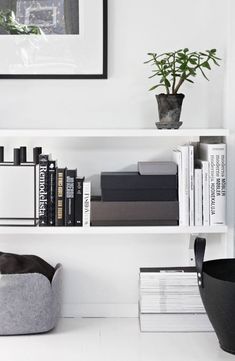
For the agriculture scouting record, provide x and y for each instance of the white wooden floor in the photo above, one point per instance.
(110, 340)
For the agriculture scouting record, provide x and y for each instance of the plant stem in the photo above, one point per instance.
(174, 77)
(162, 72)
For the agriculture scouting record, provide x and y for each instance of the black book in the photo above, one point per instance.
(60, 197)
(43, 190)
(167, 269)
(78, 201)
(70, 176)
(122, 195)
(51, 192)
(133, 180)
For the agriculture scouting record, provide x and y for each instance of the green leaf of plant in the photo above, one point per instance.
(204, 74)
(206, 65)
(167, 83)
(152, 76)
(215, 62)
(155, 87)
(190, 81)
(193, 61)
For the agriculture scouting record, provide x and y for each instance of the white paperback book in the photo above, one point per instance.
(198, 197)
(204, 165)
(184, 149)
(86, 214)
(215, 154)
(191, 185)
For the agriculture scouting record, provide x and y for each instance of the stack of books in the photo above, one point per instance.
(202, 181)
(145, 198)
(170, 301)
(64, 198)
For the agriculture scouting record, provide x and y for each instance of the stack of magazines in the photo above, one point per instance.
(170, 301)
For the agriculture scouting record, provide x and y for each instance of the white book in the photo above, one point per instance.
(215, 154)
(86, 212)
(191, 185)
(198, 197)
(185, 183)
(177, 157)
(204, 165)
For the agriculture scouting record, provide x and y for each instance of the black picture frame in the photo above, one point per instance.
(103, 75)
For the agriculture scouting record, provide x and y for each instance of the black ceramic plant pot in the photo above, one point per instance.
(216, 280)
(169, 108)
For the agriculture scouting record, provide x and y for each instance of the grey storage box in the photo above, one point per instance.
(29, 303)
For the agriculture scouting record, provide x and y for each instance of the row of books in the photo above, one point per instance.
(170, 301)
(202, 183)
(64, 198)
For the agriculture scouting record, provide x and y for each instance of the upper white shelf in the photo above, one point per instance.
(111, 230)
(110, 133)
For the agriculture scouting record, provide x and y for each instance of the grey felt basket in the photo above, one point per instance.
(29, 303)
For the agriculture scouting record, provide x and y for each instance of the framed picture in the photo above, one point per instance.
(53, 39)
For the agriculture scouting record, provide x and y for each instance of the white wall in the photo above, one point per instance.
(101, 273)
(135, 28)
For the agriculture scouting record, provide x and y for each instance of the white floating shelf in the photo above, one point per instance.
(111, 230)
(110, 133)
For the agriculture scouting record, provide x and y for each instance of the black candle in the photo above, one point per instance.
(23, 154)
(16, 156)
(1, 154)
(36, 152)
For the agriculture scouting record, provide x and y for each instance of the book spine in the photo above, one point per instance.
(60, 196)
(185, 184)
(216, 155)
(70, 176)
(86, 216)
(198, 197)
(178, 160)
(205, 194)
(51, 192)
(220, 187)
(43, 190)
(191, 185)
(78, 201)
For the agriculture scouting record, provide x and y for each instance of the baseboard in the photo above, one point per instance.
(99, 310)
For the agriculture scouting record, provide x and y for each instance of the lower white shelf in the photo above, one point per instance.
(112, 230)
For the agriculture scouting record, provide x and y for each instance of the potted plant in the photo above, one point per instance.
(173, 69)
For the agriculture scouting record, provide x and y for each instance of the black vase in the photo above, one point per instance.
(169, 108)
(216, 280)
